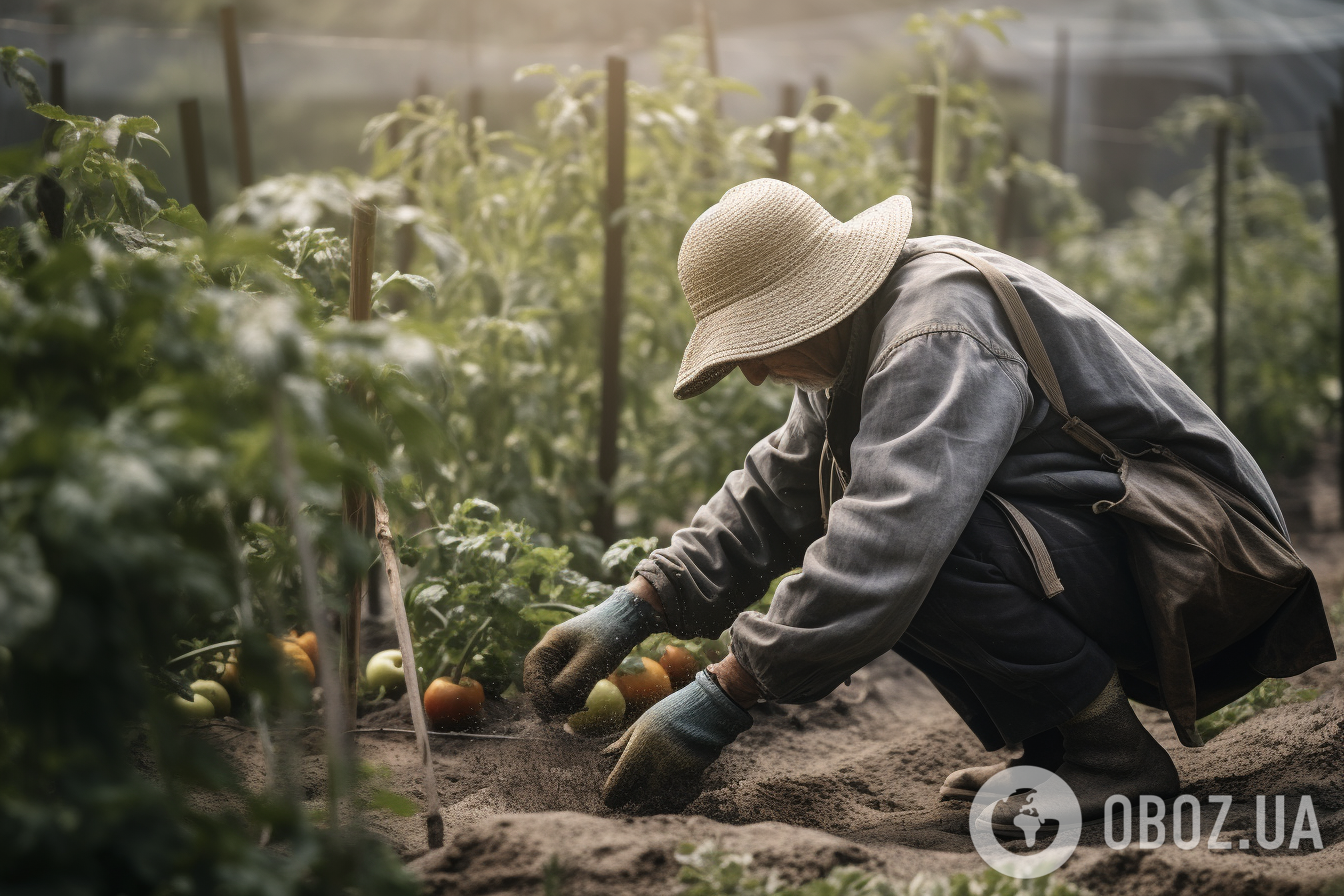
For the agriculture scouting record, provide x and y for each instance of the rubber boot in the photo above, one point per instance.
(1044, 750)
(1107, 752)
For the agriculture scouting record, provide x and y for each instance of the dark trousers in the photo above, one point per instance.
(1011, 662)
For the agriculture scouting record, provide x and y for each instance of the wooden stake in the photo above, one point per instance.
(1060, 111)
(1220, 139)
(705, 20)
(56, 84)
(233, 69)
(193, 153)
(392, 567)
(927, 126)
(1008, 205)
(355, 501)
(475, 110)
(1332, 147)
(613, 299)
(823, 111)
(782, 139)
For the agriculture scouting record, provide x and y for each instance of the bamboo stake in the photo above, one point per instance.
(1060, 110)
(1220, 139)
(392, 566)
(333, 714)
(783, 139)
(233, 69)
(56, 84)
(613, 299)
(927, 116)
(705, 20)
(355, 501)
(1332, 133)
(193, 152)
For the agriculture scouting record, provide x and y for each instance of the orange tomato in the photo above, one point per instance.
(679, 665)
(229, 677)
(642, 683)
(308, 641)
(451, 705)
(297, 657)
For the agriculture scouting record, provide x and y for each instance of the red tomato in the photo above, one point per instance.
(451, 705)
(679, 665)
(642, 683)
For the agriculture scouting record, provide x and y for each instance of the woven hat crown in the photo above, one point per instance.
(758, 234)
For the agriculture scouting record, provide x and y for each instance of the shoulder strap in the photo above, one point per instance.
(1033, 352)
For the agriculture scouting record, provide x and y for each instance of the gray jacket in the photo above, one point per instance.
(948, 411)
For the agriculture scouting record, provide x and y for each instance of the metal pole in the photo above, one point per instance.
(233, 70)
(193, 153)
(927, 125)
(1060, 111)
(1220, 139)
(613, 298)
(355, 501)
(782, 139)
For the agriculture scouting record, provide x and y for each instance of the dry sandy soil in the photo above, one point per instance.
(851, 780)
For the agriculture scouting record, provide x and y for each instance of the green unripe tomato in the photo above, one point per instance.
(602, 713)
(215, 693)
(384, 670)
(199, 707)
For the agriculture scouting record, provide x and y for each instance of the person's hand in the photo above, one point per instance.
(572, 657)
(663, 754)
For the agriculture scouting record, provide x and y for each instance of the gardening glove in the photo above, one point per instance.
(664, 753)
(578, 653)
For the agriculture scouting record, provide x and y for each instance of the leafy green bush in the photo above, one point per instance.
(709, 871)
(152, 378)
(1153, 275)
(1269, 693)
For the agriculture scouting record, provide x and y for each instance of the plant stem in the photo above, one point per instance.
(471, 645)
(568, 608)
(206, 649)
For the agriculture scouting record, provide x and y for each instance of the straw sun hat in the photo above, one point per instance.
(767, 267)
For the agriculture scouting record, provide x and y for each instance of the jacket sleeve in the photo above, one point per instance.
(939, 413)
(755, 527)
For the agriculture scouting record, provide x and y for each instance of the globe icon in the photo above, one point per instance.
(1027, 819)
(1021, 802)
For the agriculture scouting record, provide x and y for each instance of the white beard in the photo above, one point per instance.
(811, 386)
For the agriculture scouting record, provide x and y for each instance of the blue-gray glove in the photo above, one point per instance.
(664, 753)
(578, 653)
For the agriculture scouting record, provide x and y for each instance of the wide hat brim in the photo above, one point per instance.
(842, 270)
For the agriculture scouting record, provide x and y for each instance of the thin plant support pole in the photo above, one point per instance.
(1008, 205)
(1332, 136)
(1060, 106)
(193, 153)
(233, 70)
(613, 298)
(475, 110)
(1220, 140)
(823, 111)
(56, 83)
(392, 567)
(705, 20)
(927, 125)
(333, 709)
(783, 138)
(355, 501)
